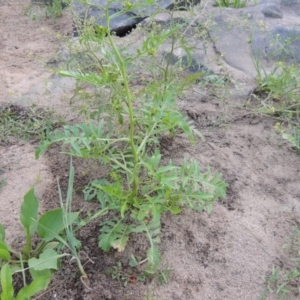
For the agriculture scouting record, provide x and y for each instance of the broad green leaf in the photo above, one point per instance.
(37, 285)
(29, 211)
(4, 246)
(6, 283)
(51, 245)
(2, 233)
(4, 254)
(43, 273)
(51, 223)
(47, 260)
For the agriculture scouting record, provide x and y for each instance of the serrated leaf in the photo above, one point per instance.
(153, 256)
(175, 210)
(120, 244)
(43, 146)
(29, 211)
(6, 283)
(114, 234)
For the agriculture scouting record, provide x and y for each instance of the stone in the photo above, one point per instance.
(122, 24)
(289, 2)
(193, 64)
(272, 11)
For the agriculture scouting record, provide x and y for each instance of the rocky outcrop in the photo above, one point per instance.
(220, 40)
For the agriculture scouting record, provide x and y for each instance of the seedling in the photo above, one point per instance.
(42, 260)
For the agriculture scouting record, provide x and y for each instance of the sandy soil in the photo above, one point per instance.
(225, 255)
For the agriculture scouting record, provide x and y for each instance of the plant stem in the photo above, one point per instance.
(39, 249)
(129, 104)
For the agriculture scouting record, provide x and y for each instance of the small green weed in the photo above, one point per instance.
(126, 277)
(132, 274)
(279, 93)
(40, 261)
(284, 282)
(18, 122)
(55, 8)
(231, 3)
(55, 231)
(42, 8)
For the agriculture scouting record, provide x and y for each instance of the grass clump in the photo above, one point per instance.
(279, 93)
(231, 3)
(17, 122)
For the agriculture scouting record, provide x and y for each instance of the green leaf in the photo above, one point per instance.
(153, 256)
(133, 261)
(43, 273)
(51, 223)
(42, 148)
(29, 211)
(4, 254)
(47, 260)
(4, 246)
(6, 283)
(51, 245)
(2, 233)
(114, 234)
(174, 209)
(120, 244)
(37, 285)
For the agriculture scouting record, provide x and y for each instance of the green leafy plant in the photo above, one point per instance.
(231, 3)
(279, 92)
(285, 281)
(39, 9)
(25, 123)
(55, 8)
(125, 133)
(294, 138)
(132, 274)
(41, 260)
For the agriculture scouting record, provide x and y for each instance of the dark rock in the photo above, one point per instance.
(289, 2)
(193, 65)
(123, 23)
(272, 11)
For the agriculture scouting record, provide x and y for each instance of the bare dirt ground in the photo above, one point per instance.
(225, 255)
